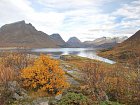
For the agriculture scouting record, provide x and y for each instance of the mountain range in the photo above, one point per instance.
(105, 42)
(20, 34)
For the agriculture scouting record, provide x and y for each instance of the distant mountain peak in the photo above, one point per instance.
(75, 42)
(20, 25)
(56, 35)
(22, 22)
(74, 39)
(57, 38)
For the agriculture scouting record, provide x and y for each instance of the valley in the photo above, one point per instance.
(41, 69)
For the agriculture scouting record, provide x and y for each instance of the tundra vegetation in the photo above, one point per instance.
(99, 83)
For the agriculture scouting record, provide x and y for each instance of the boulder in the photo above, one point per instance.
(17, 92)
(58, 97)
(41, 101)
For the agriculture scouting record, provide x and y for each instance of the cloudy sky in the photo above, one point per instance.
(85, 19)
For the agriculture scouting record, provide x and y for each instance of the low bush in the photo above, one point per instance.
(74, 99)
(109, 103)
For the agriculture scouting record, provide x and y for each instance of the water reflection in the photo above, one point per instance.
(74, 52)
(84, 52)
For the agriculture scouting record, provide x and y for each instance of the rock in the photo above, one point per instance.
(66, 57)
(58, 97)
(44, 103)
(17, 97)
(18, 93)
(72, 81)
(67, 66)
(13, 86)
(41, 101)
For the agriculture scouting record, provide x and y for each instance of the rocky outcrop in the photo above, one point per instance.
(17, 92)
(41, 101)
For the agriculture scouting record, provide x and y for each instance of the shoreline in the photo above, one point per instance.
(58, 52)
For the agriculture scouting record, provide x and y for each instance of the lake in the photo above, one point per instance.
(83, 52)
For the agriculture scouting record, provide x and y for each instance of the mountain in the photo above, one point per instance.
(121, 39)
(127, 51)
(58, 39)
(20, 34)
(105, 42)
(74, 42)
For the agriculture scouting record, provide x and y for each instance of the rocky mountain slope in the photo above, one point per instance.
(20, 34)
(75, 42)
(58, 39)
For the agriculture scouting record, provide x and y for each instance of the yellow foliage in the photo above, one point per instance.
(44, 75)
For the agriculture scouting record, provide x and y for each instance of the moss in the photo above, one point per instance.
(74, 99)
(109, 103)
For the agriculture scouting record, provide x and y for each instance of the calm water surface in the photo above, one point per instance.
(83, 52)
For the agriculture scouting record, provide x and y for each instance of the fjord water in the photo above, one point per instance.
(83, 52)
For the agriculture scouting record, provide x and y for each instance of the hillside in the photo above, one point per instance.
(129, 50)
(20, 34)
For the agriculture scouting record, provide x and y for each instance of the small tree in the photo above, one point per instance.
(44, 75)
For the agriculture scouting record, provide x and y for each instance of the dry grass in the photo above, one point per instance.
(11, 64)
(16, 60)
(6, 74)
(119, 81)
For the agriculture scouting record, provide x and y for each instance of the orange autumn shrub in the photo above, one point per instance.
(44, 75)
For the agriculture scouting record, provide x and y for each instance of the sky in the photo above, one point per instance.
(85, 19)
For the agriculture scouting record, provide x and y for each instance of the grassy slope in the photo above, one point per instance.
(128, 51)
